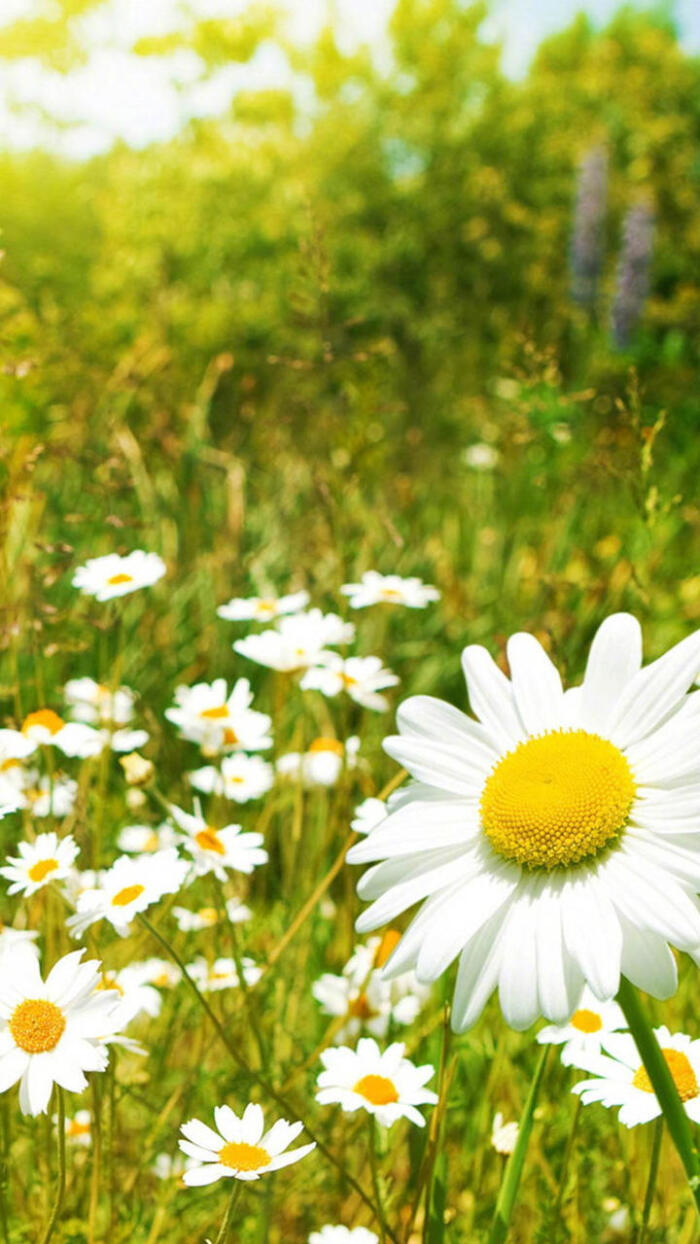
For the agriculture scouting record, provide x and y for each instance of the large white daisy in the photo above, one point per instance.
(552, 842)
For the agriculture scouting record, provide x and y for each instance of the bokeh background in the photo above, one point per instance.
(290, 294)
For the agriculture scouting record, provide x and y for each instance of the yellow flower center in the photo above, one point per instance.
(684, 1077)
(127, 895)
(267, 606)
(221, 710)
(74, 1129)
(360, 1008)
(37, 1025)
(387, 946)
(41, 870)
(586, 1021)
(377, 1090)
(326, 745)
(115, 579)
(239, 1156)
(390, 593)
(557, 799)
(109, 985)
(46, 718)
(209, 840)
(348, 680)
(9, 764)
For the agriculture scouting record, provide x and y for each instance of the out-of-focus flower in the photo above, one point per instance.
(112, 575)
(322, 763)
(368, 814)
(364, 997)
(48, 858)
(586, 1031)
(169, 1166)
(362, 677)
(587, 237)
(11, 938)
(128, 888)
(161, 973)
(618, 1216)
(384, 1083)
(240, 1148)
(299, 641)
(622, 1080)
(195, 921)
(132, 995)
(632, 273)
(111, 710)
(222, 973)
(343, 1235)
(217, 850)
(79, 1129)
(43, 795)
(46, 729)
(219, 720)
(239, 778)
(480, 456)
(138, 771)
(50, 1032)
(137, 838)
(389, 589)
(262, 608)
(503, 1135)
(563, 811)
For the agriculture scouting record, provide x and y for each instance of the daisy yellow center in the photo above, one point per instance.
(327, 745)
(74, 1129)
(680, 1067)
(221, 710)
(130, 892)
(239, 1156)
(267, 606)
(209, 840)
(387, 946)
(378, 1090)
(44, 717)
(41, 870)
(586, 1021)
(557, 799)
(390, 593)
(360, 1008)
(116, 579)
(230, 736)
(348, 680)
(37, 1025)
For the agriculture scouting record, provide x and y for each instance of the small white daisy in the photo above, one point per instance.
(78, 1129)
(343, 1235)
(240, 1148)
(503, 1135)
(48, 858)
(52, 1031)
(622, 1080)
(480, 456)
(132, 995)
(110, 710)
(262, 608)
(389, 589)
(112, 575)
(218, 719)
(322, 763)
(386, 1084)
(299, 641)
(171, 1167)
(585, 1031)
(362, 677)
(161, 973)
(195, 921)
(46, 729)
(368, 814)
(218, 850)
(239, 778)
(222, 973)
(361, 994)
(135, 839)
(128, 888)
(47, 796)
(11, 938)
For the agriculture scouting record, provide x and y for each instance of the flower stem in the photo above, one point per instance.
(662, 1083)
(563, 1174)
(228, 1216)
(375, 1175)
(651, 1181)
(514, 1166)
(61, 1186)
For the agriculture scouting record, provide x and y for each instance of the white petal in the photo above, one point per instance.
(614, 658)
(592, 933)
(655, 692)
(462, 915)
(536, 684)
(444, 766)
(647, 961)
(423, 716)
(517, 979)
(491, 697)
(477, 975)
(424, 878)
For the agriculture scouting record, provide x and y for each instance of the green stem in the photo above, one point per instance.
(228, 1216)
(4, 1167)
(375, 1175)
(254, 1075)
(61, 1186)
(662, 1083)
(567, 1157)
(514, 1167)
(651, 1181)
